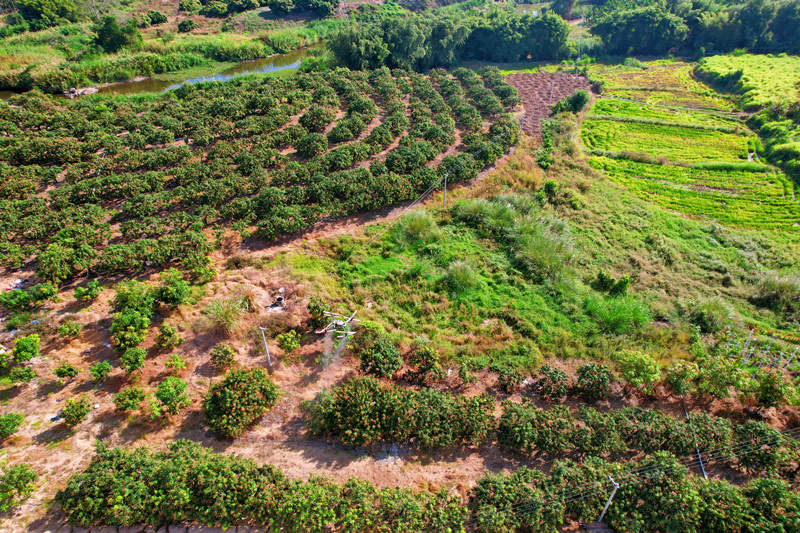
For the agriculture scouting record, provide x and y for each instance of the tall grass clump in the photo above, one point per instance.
(781, 294)
(617, 315)
(225, 315)
(460, 277)
(543, 248)
(416, 227)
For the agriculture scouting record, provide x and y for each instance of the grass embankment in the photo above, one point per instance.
(59, 58)
(759, 79)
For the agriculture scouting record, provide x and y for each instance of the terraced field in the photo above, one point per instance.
(736, 198)
(761, 79)
(681, 148)
(674, 143)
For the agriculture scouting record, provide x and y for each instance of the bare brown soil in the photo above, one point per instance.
(541, 90)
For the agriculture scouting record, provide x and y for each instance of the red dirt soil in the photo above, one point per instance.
(540, 91)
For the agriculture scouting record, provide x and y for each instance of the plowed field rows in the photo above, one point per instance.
(541, 90)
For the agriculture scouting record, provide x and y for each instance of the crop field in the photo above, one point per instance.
(760, 79)
(741, 199)
(539, 91)
(674, 143)
(626, 109)
(659, 82)
(129, 182)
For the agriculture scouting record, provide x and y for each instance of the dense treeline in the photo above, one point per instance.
(654, 28)
(426, 41)
(188, 483)
(164, 168)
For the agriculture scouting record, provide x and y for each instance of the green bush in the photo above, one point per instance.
(510, 380)
(554, 383)
(317, 118)
(317, 308)
(112, 37)
(186, 25)
(26, 348)
(129, 399)
(133, 359)
(9, 424)
(681, 377)
(100, 370)
(771, 389)
(280, 6)
(227, 489)
(378, 354)
(129, 329)
(617, 314)
(639, 369)
(593, 382)
(426, 361)
(16, 484)
(236, 403)
(170, 397)
(289, 341)
(65, 370)
(168, 337)
(75, 411)
(174, 290)
(189, 6)
(70, 328)
(312, 145)
(175, 362)
(524, 427)
(222, 356)
(364, 411)
(21, 374)
(90, 292)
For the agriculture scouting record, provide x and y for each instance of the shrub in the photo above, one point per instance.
(460, 277)
(289, 341)
(70, 328)
(377, 353)
(363, 411)
(75, 411)
(66, 370)
(222, 356)
(134, 295)
(168, 337)
(100, 370)
(510, 380)
(9, 424)
(763, 441)
(524, 427)
(26, 348)
(771, 388)
(129, 329)
(128, 399)
(639, 369)
(154, 18)
(554, 383)
(316, 118)
(594, 382)
(239, 401)
(317, 308)
(170, 397)
(312, 145)
(572, 104)
(186, 25)
(189, 6)
(174, 290)
(280, 6)
(16, 484)
(681, 377)
(133, 359)
(426, 359)
(21, 374)
(617, 314)
(710, 315)
(175, 362)
(111, 37)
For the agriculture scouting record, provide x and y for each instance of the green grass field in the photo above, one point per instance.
(673, 143)
(734, 198)
(625, 109)
(764, 79)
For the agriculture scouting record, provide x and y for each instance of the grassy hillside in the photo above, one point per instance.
(760, 79)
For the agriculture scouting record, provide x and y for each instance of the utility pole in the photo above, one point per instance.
(266, 348)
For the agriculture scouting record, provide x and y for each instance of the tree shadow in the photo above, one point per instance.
(53, 435)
